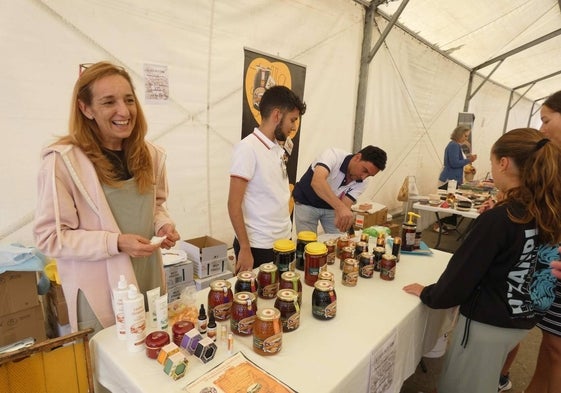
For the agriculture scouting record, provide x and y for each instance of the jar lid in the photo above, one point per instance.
(315, 248)
(288, 295)
(308, 236)
(389, 257)
(290, 276)
(351, 261)
(380, 249)
(325, 275)
(219, 285)
(330, 242)
(284, 245)
(323, 285)
(268, 267)
(246, 275)
(268, 314)
(157, 339)
(243, 297)
(362, 244)
(182, 327)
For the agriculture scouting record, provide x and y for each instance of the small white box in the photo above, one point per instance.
(211, 268)
(202, 283)
(179, 273)
(204, 248)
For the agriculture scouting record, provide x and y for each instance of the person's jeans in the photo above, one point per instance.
(306, 218)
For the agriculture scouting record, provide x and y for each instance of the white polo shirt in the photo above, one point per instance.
(265, 205)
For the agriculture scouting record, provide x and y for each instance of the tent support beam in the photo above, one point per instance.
(366, 58)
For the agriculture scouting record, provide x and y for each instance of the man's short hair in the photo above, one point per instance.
(280, 97)
(375, 155)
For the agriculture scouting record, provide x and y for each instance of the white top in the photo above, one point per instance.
(259, 160)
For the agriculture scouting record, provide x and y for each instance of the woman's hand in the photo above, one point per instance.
(135, 245)
(171, 234)
(414, 289)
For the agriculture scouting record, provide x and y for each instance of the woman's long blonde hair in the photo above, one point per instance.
(84, 133)
(539, 163)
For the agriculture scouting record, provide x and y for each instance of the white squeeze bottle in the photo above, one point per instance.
(119, 294)
(135, 319)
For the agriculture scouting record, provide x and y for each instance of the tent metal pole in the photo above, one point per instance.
(365, 58)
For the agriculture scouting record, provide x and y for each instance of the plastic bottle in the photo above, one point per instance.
(135, 319)
(201, 321)
(211, 328)
(118, 294)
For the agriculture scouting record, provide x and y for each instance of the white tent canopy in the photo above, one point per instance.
(413, 93)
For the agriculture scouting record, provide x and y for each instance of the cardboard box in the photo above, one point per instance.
(202, 249)
(57, 304)
(202, 283)
(22, 324)
(18, 291)
(174, 292)
(179, 273)
(366, 219)
(211, 268)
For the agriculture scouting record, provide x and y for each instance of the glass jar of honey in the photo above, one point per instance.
(325, 275)
(291, 280)
(346, 252)
(387, 267)
(244, 310)
(284, 252)
(287, 304)
(304, 237)
(331, 251)
(350, 272)
(315, 255)
(268, 279)
(366, 265)
(220, 298)
(267, 332)
(342, 242)
(324, 300)
(246, 282)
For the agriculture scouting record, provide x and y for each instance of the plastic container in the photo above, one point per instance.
(119, 294)
(135, 319)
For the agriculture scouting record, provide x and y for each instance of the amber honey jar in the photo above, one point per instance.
(346, 252)
(331, 251)
(287, 304)
(291, 280)
(315, 255)
(350, 272)
(246, 282)
(220, 298)
(304, 237)
(267, 332)
(154, 342)
(268, 279)
(325, 275)
(342, 242)
(387, 267)
(243, 313)
(284, 252)
(324, 300)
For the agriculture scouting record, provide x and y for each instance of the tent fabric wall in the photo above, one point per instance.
(414, 94)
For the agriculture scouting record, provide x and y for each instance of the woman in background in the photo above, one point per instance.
(101, 195)
(499, 275)
(547, 376)
(454, 162)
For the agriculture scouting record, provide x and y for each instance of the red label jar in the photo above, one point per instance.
(220, 298)
(179, 329)
(243, 313)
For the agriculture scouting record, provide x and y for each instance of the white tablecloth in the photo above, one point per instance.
(320, 356)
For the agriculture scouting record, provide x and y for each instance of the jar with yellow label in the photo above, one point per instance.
(220, 298)
(304, 237)
(315, 255)
(287, 304)
(267, 332)
(244, 310)
(284, 253)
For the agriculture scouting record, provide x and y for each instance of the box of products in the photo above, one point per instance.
(205, 248)
(29, 322)
(18, 291)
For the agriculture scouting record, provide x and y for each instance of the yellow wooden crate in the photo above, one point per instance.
(59, 365)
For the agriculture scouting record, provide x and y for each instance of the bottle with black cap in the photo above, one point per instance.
(201, 322)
